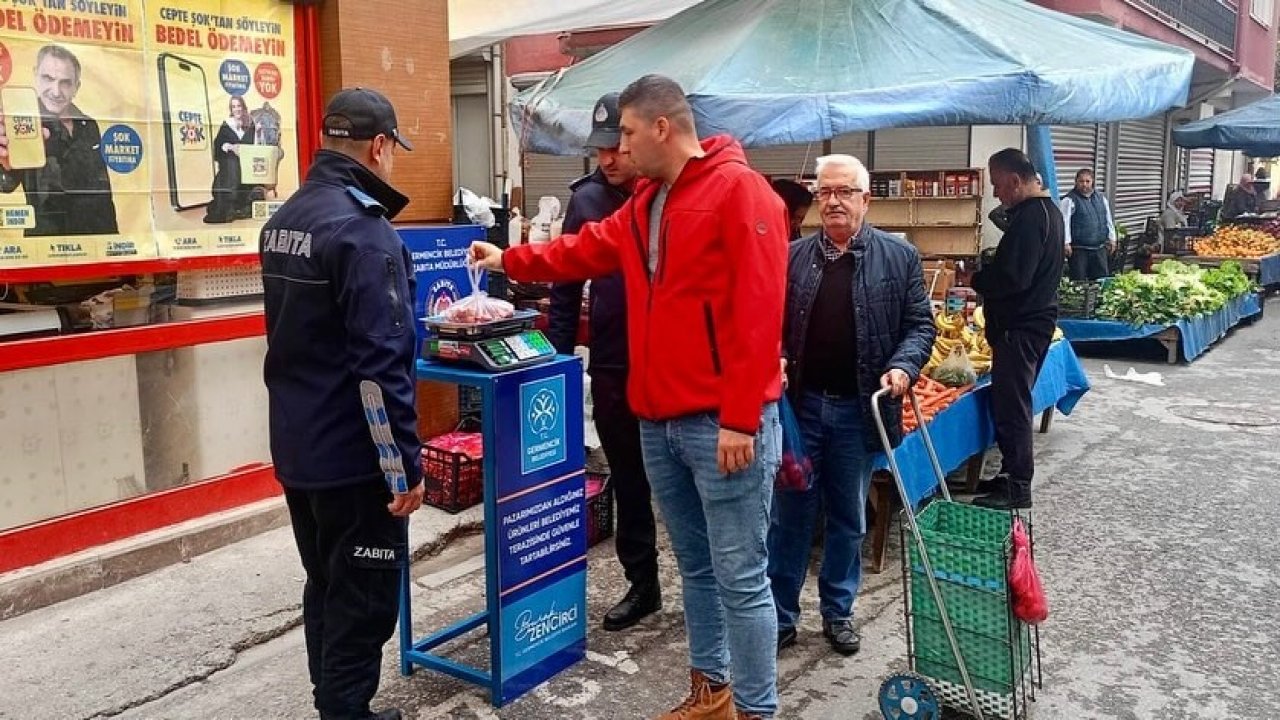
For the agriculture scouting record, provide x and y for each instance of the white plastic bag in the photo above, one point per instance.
(957, 369)
(478, 307)
(478, 208)
(544, 224)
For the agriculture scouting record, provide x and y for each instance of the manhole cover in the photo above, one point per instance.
(1243, 415)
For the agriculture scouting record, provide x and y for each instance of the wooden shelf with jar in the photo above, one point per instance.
(939, 211)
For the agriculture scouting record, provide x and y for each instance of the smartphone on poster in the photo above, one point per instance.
(184, 98)
(22, 125)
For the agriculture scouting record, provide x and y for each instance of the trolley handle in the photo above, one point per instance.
(908, 517)
(878, 415)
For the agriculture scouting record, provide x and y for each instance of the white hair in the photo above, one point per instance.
(860, 175)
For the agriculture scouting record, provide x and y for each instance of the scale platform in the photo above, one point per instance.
(496, 346)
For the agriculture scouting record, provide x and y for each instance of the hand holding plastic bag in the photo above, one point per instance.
(795, 474)
(478, 307)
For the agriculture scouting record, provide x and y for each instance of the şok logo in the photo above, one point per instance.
(191, 129)
(24, 126)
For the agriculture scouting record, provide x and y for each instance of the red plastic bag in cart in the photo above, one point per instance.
(795, 474)
(1029, 602)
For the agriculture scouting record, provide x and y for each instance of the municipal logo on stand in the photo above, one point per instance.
(441, 294)
(542, 432)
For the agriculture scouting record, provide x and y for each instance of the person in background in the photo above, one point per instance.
(798, 200)
(341, 345)
(1262, 183)
(1241, 199)
(857, 320)
(596, 197)
(1019, 288)
(1090, 229)
(702, 245)
(1173, 215)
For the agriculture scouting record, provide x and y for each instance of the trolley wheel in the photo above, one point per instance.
(907, 696)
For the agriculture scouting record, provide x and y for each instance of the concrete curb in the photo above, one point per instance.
(27, 589)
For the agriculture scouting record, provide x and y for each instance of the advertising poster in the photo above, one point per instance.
(135, 129)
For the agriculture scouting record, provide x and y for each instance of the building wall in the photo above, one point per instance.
(1256, 45)
(408, 61)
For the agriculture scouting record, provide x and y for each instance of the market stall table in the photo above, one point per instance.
(965, 429)
(1192, 335)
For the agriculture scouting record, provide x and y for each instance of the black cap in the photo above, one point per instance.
(362, 114)
(605, 131)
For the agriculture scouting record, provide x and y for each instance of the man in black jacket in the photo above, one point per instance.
(1019, 288)
(857, 319)
(341, 345)
(596, 197)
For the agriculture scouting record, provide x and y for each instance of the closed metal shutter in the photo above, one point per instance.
(1102, 167)
(928, 148)
(855, 144)
(469, 76)
(1075, 147)
(550, 175)
(785, 161)
(1140, 162)
(1195, 170)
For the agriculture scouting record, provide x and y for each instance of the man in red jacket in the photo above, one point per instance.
(702, 246)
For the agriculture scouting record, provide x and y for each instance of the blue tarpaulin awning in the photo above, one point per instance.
(1254, 128)
(774, 72)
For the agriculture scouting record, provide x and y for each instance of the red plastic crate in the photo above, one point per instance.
(454, 478)
(599, 508)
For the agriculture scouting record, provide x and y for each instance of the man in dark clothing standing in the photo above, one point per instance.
(339, 373)
(1089, 227)
(596, 197)
(1019, 288)
(857, 320)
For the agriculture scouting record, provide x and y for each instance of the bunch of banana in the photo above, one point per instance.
(954, 331)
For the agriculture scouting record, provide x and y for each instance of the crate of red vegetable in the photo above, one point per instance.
(599, 508)
(453, 470)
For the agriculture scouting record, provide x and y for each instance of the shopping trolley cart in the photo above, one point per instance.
(966, 650)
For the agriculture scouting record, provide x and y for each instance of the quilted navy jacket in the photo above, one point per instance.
(894, 322)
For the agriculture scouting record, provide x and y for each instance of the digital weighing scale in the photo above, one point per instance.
(494, 346)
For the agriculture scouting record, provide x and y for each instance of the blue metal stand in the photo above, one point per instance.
(535, 528)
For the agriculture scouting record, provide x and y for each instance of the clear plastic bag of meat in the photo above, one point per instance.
(478, 307)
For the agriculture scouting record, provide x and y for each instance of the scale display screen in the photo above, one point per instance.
(496, 354)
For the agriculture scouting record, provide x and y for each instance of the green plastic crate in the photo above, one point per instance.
(969, 549)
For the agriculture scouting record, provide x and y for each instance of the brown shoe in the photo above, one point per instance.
(748, 716)
(706, 701)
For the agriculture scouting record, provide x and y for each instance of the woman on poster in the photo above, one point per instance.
(232, 199)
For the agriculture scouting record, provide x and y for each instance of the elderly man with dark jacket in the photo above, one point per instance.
(857, 319)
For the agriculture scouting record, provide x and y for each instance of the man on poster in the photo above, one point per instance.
(71, 193)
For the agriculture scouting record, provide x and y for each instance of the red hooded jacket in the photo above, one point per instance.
(705, 331)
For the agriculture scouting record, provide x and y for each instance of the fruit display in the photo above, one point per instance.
(934, 397)
(1272, 228)
(1237, 241)
(954, 332)
(1175, 290)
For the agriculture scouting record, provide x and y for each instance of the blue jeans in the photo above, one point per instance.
(718, 526)
(833, 435)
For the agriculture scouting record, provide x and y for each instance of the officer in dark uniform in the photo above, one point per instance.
(71, 193)
(596, 197)
(339, 373)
